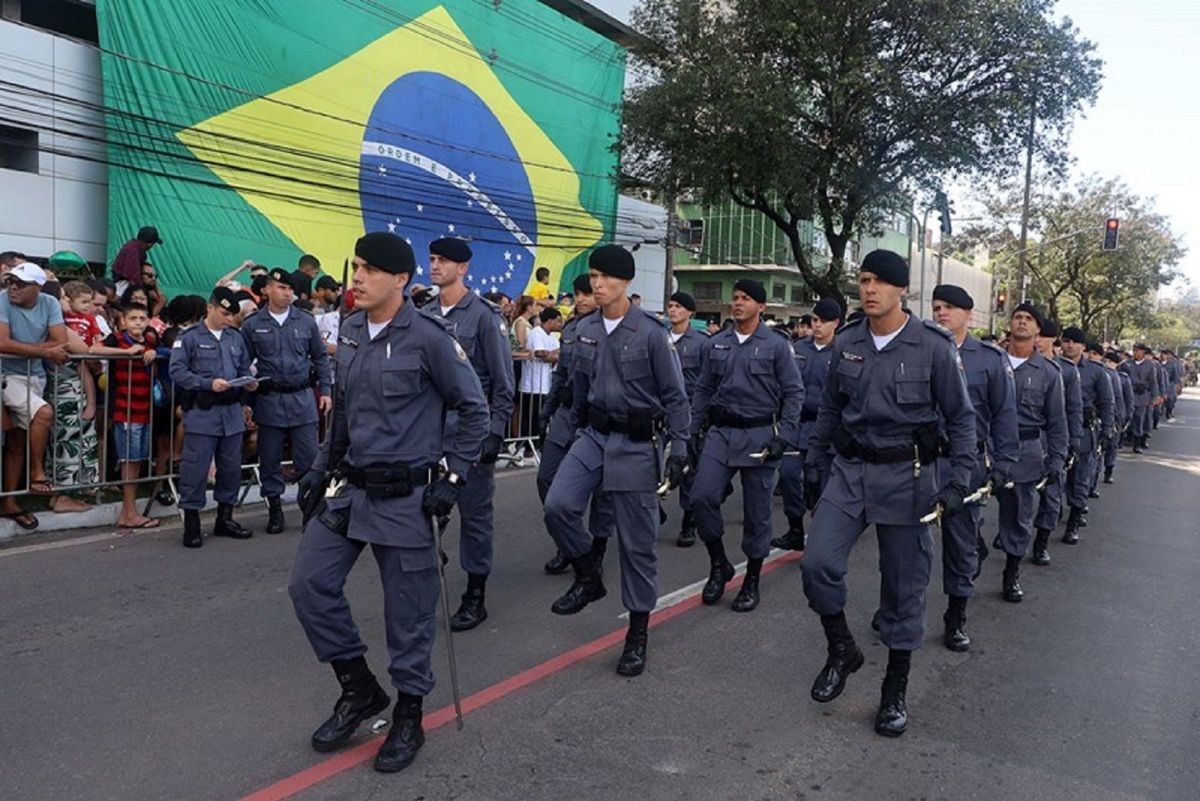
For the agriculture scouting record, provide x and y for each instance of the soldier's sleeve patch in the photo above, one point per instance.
(177, 344)
(458, 351)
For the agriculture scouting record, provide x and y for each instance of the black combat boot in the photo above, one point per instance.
(719, 575)
(844, 658)
(226, 526)
(1074, 522)
(633, 657)
(192, 538)
(557, 565)
(1041, 555)
(747, 597)
(471, 612)
(599, 548)
(1093, 493)
(892, 718)
(1108, 479)
(404, 738)
(1012, 584)
(361, 698)
(687, 531)
(587, 587)
(1141, 443)
(275, 524)
(981, 553)
(956, 638)
(793, 539)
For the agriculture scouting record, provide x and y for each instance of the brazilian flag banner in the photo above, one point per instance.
(265, 129)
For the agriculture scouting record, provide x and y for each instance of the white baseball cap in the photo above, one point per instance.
(29, 273)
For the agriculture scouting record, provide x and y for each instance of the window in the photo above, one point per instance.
(799, 294)
(690, 233)
(778, 291)
(69, 17)
(707, 290)
(18, 149)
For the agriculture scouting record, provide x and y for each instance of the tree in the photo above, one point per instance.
(829, 110)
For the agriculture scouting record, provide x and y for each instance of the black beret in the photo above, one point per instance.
(225, 298)
(888, 265)
(1074, 333)
(1142, 346)
(612, 260)
(452, 248)
(685, 300)
(954, 295)
(1112, 356)
(582, 284)
(281, 275)
(806, 319)
(752, 288)
(327, 282)
(386, 252)
(1033, 312)
(1049, 329)
(827, 309)
(1095, 347)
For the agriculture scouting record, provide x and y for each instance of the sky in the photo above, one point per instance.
(1145, 126)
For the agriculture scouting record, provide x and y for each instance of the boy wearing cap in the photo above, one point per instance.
(204, 359)
(689, 346)
(286, 345)
(747, 400)
(628, 397)
(893, 379)
(480, 329)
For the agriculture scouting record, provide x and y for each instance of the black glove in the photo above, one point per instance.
(774, 449)
(950, 499)
(1000, 479)
(490, 450)
(1071, 454)
(310, 493)
(1050, 478)
(812, 486)
(677, 468)
(440, 497)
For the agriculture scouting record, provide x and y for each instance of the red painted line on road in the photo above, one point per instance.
(339, 763)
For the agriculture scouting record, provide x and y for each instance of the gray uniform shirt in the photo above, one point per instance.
(198, 357)
(1072, 401)
(1096, 393)
(1040, 405)
(480, 330)
(286, 354)
(814, 369)
(993, 395)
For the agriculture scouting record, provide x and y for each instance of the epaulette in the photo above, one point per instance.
(850, 324)
(932, 326)
(1053, 363)
(584, 316)
(493, 306)
(993, 346)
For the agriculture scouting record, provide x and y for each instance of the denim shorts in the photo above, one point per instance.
(133, 441)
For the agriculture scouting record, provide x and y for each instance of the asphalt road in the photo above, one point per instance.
(133, 669)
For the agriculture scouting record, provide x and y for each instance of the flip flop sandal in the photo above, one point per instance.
(22, 519)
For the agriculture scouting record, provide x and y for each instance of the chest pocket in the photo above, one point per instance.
(763, 365)
(977, 385)
(689, 359)
(468, 337)
(207, 360)
(718, 361)
(1033, 395)
(265, 342)
(635, 363)
(299, 340)
(583, 359)
(912, 385)
(401, 376)
(848, 376)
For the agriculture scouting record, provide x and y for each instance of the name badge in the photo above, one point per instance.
(851, 357)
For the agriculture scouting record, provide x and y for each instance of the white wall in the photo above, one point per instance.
(977, 283)
(65, 205)
(645, 225)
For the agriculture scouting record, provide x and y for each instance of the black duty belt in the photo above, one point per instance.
(1089, 417)
(807, 417)
(1029, 432)
(721, 417)
(273, 388)
(640, 425)
(206, 399)
(924, 449)
(389, 480)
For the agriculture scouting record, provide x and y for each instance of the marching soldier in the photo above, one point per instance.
(1122, 411)
(690, 345)
(812, 357)
(204, 360)
(398, 371)
(628, 397)
(480, 329)
(893, 378)
(1175, 372)
(749, 396)
(1042, 429)
(560, 427)
(1144, 377)
(1096, 395)
(993, 396)
(285, 342)
(1049, 510)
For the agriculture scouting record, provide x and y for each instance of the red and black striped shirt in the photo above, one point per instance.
(129, 382)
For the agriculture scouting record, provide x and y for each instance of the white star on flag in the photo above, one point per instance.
(470, 204)
(518, 257)
(391, 228)
(408, 240)
(382, 170)
(507, 256)
(471, 177)
(420, 271)
(420, 207)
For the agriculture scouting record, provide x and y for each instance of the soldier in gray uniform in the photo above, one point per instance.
(993, 396)
(287, 346)
(1144, 377)
(629, 397)
(813, 358)
(398, 372)
(1050, 500)
(204, 359)
(1122, 411)
(559, 425)
(690, 345)
(480, 329)
(1096, 395)
(1042, 428)
(894, 377)
(749, 396)
(1174, 371)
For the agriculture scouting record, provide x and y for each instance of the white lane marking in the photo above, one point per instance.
(49, 546)
(683, 593)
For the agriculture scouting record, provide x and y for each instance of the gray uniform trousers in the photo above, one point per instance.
(270, 453)
(1081, 476)
(600, 518)
(1143, 419)
(1049, 503)
(960, 536)
(1016, 516)
(198, 452)
(791, 486)
(476, 532)
(708, 492)
(905, 562)
(1111, 446)
(410, 599)
(635, 515)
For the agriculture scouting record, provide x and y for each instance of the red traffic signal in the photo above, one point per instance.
(1112, 230)
(1001, 299)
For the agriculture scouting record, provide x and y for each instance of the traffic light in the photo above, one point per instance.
(1001, 299)
(942, 204)
(1112, 230)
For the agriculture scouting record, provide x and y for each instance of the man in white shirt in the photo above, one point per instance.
(535, 375)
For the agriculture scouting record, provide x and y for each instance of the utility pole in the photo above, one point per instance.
(669, 263)
(1025, 205)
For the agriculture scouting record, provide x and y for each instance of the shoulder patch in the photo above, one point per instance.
(932, 326)
(852, 324)
(178, 344)
(458, 351)
(994, 347)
